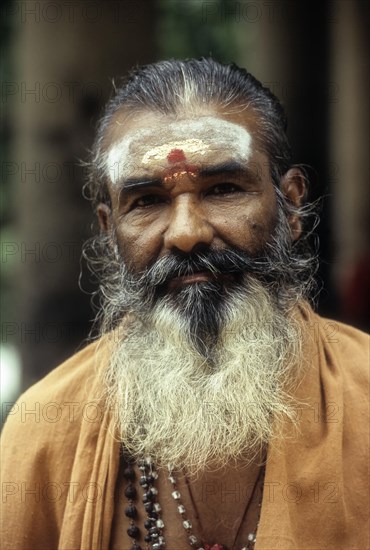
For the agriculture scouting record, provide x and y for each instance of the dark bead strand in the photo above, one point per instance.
(131, 511)
(153, 523)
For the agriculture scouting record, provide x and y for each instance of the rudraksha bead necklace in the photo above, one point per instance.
(153, 523)
(131, 511)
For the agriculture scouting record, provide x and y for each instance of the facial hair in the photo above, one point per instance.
(193, 412)
(287, 276)
(200, 377)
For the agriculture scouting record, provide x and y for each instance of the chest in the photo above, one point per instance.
(221, 507)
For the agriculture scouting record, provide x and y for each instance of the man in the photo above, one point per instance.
(216, 410)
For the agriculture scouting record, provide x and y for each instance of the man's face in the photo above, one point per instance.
(198, 230)
(194, 213)
(180, 185)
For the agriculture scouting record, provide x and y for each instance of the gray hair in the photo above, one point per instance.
(174, 86)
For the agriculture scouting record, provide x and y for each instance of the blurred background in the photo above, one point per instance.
(58, 62)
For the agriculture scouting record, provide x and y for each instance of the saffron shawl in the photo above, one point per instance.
(60, 458)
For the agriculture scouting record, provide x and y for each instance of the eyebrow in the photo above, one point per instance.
(230, 168)
(138, 183)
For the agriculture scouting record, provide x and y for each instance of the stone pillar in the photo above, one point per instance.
(65, 56)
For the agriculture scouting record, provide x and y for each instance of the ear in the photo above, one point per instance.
(104, 217)
(293, 187)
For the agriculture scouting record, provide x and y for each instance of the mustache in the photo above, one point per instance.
(231, 261)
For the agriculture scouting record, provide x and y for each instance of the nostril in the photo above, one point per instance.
(198, 248)
(201, 248)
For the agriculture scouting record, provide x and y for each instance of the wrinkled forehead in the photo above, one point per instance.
(149, 150)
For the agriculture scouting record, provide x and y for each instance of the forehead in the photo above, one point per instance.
(148, 143)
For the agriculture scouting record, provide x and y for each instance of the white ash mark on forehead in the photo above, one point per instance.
(149, 147)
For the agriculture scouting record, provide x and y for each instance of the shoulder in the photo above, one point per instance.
(348, 343)
(39, 448)
(346, 351)
(58, 403)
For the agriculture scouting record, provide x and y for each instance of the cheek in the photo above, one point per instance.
(138, 245)
(248, 226)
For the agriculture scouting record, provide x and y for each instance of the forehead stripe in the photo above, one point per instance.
(187, 142)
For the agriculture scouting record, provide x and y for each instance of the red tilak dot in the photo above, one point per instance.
(176, 155)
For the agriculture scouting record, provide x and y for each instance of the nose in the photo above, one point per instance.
(188, 227)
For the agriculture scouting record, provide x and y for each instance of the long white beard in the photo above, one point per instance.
(193, 412)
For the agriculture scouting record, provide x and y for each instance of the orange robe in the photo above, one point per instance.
(60, 460)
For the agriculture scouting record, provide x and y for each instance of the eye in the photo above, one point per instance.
(223, 189)
(147, 201)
